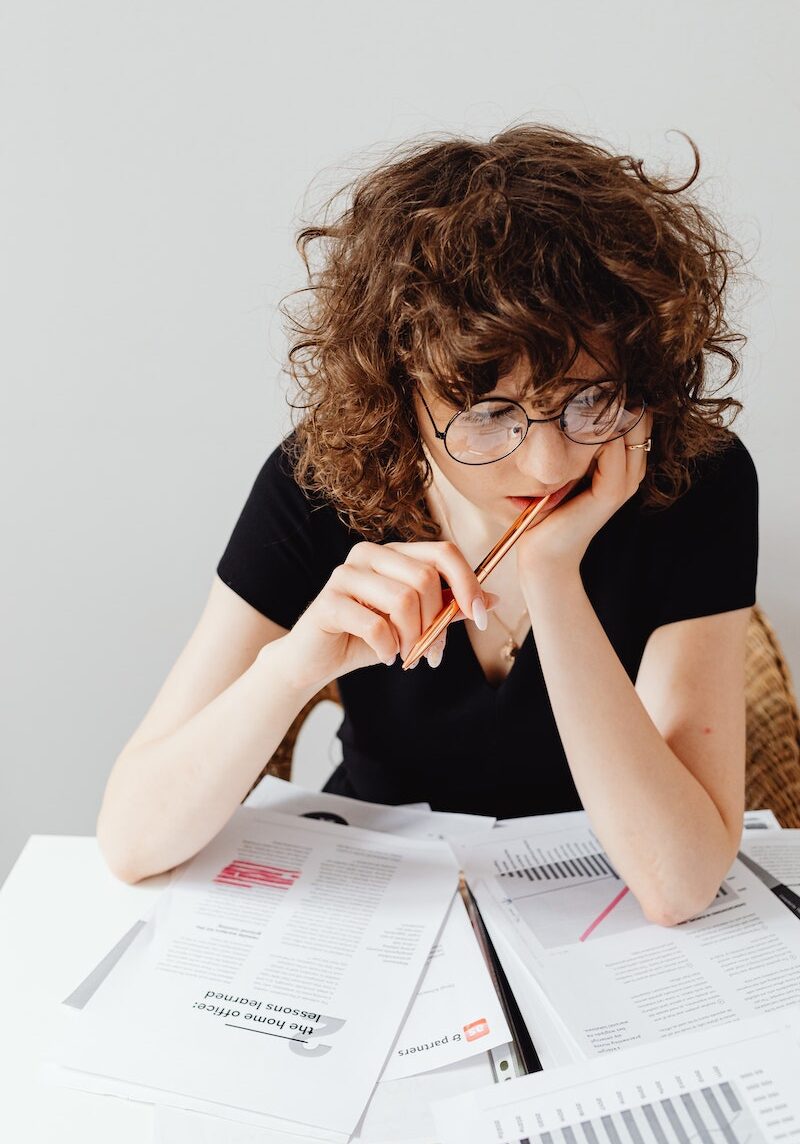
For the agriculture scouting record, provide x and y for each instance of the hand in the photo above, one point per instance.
(558, 542)
(376, 605)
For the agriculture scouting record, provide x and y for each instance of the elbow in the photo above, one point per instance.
(665, 910)
(121, 868)
(121, 864)
(125, 873)
(665, 914)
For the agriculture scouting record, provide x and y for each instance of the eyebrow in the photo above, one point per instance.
(569, 385)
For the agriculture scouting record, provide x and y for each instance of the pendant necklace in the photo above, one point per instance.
(510, 648)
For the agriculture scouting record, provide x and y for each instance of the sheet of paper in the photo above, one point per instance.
(456, 1012)
(760, 820)
(778, 852)
(291, 949)
(753, 819)
(552, 1042)
(737, 1084)
(612, 978)
(400, 1112)
(61, 1076)
(409, 821)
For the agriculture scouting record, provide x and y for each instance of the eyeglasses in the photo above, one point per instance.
(494, 427)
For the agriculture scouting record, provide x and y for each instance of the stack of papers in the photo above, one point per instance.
(591, 974)
(737, 1085)
(312, 975)
(293, 962)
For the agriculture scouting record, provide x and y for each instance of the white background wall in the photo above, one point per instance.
(154, 158)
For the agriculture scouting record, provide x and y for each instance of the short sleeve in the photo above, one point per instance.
(703, 549)
(283, 546)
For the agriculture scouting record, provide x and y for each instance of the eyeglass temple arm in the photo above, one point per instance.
(439, 435)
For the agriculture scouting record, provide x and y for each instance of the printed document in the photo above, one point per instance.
(607, 977)
(411, 821)
(400, 1111)
(736, 1085)
(456, 1012)
(274, 973)
(760, 820)
(778, 852)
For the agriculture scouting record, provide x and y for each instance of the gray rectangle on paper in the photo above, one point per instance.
(719, 1116)
(651, 1117)
(675, 1123)
(696, 1118)
(629, 1120)
(89, 986)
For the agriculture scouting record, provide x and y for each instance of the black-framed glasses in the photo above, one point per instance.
(494, 427)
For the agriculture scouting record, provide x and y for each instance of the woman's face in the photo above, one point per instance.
(545, 462)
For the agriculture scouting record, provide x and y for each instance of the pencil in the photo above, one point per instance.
(486, 566)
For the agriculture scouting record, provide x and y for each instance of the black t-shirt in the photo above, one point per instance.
(447, 736)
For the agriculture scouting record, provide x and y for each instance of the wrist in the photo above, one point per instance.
(551, 582)
(278, 662)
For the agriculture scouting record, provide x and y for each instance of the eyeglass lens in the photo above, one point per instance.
(493, 428)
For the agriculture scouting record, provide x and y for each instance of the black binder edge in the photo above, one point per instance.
(522, 1044)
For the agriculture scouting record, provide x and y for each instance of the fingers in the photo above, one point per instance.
(435, 652)
(609, 484)
(422, 578)
(620, 470)
(347, 616)
(398, 602)
(491, 598)
(637, 458)
(449, 562)
(401, 584)
(420, 565)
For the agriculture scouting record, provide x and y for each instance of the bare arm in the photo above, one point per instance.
(216, 721)
(660, 766)
(239, 683)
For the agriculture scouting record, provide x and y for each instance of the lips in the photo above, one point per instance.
(526, 499)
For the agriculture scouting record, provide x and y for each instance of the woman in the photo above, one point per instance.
(489, 323)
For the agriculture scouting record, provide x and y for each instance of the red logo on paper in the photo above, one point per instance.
(476, 1029)
(249, 874)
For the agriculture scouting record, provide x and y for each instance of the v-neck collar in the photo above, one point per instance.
(475, 663)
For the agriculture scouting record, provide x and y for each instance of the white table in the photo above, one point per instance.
(61, 910)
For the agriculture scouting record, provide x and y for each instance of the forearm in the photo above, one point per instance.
(660, 827)
(166, 799)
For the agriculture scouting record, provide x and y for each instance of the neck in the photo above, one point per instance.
(474, 530)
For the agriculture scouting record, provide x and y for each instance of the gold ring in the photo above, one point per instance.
(646, 445)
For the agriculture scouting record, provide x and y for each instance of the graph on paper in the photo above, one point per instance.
(709, 1114)
(734, 1084)
(569, 892)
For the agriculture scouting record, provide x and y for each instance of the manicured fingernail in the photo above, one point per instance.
(414, 664)
(434, 655)
(390, 660)
(479, 614)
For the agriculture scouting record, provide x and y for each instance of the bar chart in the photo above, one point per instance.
(708, 1114)
(569, 892)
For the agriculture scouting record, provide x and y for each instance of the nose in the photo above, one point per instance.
(545, 457)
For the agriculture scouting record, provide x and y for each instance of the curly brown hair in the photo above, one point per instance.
(455, 259)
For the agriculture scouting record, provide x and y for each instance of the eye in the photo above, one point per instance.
(497, 414)
(489, 413)
(597, 395)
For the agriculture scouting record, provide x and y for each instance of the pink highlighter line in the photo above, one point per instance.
(604, 914)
